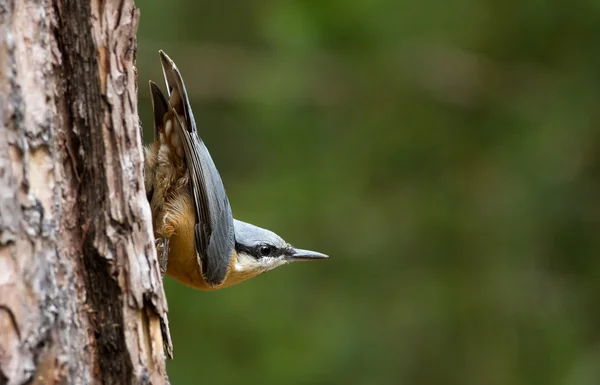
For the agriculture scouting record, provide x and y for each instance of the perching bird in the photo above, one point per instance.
(198, 241)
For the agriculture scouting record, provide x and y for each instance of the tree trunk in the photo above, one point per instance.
(81, 296)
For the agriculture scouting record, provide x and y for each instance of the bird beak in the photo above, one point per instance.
(305, 255)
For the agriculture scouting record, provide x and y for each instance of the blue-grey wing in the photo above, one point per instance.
(214, 235)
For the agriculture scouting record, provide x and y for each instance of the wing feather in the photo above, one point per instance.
(214, 236)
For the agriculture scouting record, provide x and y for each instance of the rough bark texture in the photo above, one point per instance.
(81, 297)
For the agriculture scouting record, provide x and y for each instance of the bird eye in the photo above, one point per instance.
(265, 250)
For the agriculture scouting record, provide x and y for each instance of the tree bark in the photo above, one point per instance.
(81, 296)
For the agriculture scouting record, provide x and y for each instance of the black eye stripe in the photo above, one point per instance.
(259, 251)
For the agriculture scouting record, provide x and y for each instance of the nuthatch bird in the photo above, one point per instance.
(198, 241)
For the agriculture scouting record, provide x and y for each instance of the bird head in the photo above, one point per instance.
(259, 250)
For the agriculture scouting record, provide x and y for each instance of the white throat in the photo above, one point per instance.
(247, 263)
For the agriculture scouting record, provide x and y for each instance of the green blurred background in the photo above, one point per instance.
(446, 155)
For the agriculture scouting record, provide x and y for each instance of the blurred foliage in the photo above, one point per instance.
(447, 157)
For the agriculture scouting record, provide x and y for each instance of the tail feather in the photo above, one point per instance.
(159, 107)
(178, 97)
